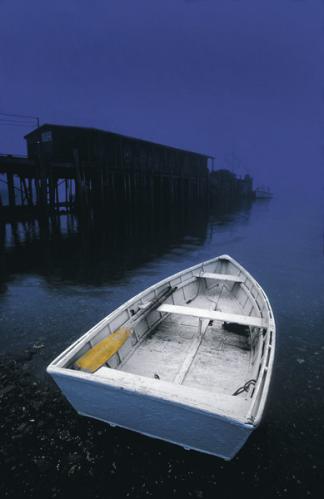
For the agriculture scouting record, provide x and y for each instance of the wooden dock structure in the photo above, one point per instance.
(81, 168)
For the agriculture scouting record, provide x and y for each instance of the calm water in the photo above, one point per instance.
(58, 280)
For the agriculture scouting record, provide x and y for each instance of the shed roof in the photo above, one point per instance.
(90, 129)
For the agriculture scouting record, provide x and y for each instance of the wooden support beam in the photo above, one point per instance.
(30, 191)
(26, 192)
(11, 190)
(219, 277)
(202, 313)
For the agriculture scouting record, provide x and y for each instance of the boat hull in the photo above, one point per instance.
(155, 417)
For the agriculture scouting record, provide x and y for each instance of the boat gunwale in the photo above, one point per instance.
(265, 370)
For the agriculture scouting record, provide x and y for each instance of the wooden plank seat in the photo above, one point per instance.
(202, 313)
(220, 277)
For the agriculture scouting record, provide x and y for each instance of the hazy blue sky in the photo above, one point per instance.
(231, 78)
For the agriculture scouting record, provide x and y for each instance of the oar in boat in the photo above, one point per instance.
(100, 353)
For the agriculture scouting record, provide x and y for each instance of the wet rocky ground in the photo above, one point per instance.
(47, 450)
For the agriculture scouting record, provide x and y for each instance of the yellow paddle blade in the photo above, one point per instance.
(103, 351)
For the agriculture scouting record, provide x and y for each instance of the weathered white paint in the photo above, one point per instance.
(213, 315)
(174, 378)
(192, 352)
(220, 277)
(191, 426)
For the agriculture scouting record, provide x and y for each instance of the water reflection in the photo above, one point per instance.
(100, 248)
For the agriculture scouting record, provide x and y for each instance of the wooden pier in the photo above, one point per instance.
(75, 169)
(69, 186)
(78, 169)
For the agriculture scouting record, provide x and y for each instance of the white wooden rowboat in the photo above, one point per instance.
(194, 368)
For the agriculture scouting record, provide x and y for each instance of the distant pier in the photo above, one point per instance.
(80, 169)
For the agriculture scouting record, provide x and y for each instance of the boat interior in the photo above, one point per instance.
(205, 328)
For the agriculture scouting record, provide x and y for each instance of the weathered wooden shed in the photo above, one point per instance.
(60, 143)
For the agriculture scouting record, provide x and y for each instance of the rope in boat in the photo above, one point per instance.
(245, 387)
